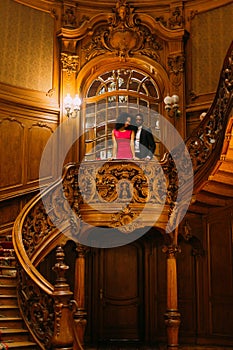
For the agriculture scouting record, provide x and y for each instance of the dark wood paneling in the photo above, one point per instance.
(12, 140)
(220, 273)
(186, 289)
(23, 139)
(38, 135)
(121, 293)
(9, 211)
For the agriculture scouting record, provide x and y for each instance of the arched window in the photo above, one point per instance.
(113, 92)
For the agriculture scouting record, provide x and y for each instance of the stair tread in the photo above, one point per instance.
(9, 307)
(6, 280)
(13, 330)
(19, 344)
(10, 319)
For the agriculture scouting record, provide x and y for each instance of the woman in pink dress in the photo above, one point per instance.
(123, 138)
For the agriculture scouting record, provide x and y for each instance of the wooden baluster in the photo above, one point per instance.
(172, 315)
(63, 335)
(79, 296)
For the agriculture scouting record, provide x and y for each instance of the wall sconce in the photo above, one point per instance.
(172, 106)
(72, 106)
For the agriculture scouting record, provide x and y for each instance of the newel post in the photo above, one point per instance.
(79, 296)
(63, 335)
(172, 315)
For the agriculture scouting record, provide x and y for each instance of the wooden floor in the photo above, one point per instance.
(162, 347)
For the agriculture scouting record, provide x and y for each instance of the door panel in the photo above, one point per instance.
(121, 293)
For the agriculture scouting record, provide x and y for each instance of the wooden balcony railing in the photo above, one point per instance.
(120, 195)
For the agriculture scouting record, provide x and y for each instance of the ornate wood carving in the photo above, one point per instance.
(130, 184)
(36, 308)
(123, 35)
(62, 336)
(69, 63)
(176, 69)
(80, 314)
(176, 21)
(205, 138)
(172, 315)
(69, 17)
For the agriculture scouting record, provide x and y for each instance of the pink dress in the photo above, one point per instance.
(123, 144)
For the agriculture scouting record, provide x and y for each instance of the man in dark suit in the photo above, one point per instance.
(144, 140)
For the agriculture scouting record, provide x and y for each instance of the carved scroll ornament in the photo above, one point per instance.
(122, 36)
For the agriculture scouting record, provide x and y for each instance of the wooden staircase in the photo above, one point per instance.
(13, 333)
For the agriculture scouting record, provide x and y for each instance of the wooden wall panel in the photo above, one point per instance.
(9, 211)
(38, 135)
(12, 140)
(160, 291)
(186, 290)
(23, 139)
(220, 262)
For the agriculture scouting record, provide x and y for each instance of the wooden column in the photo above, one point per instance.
(172, 315)
(63, 335)
(79, 296)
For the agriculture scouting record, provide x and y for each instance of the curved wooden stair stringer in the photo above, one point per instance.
(210, 147)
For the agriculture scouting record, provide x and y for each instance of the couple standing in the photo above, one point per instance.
(132, 141)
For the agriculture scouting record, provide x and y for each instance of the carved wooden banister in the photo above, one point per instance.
(45, 308)
(121, 195)
(205, 142)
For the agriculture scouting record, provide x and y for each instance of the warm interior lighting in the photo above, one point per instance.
(72, 106)
(172, 105)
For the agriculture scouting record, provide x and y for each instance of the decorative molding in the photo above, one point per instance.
(123, 35)
(176, 68)
(69, 19)
(81, 250)
(171, 250)
(193, 13)
(70, 63)
(176, 64)
(176, 21)
(53, 14)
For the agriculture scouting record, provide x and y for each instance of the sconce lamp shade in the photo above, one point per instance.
(68, 102)
(77, 103)
(172, 105)
(175, 99)
(168, 100)
(72, 106)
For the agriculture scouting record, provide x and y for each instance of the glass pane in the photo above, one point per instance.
(90, 108)
(132, 85)
(94, 88)
(90, 121)
(100, 131)
(100, 117)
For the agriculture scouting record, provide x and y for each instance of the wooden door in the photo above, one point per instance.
(120, 287)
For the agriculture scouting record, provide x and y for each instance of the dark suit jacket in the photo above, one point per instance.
(147, 143)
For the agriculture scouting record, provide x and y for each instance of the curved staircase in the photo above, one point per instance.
(59, 319)
(13, 333)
